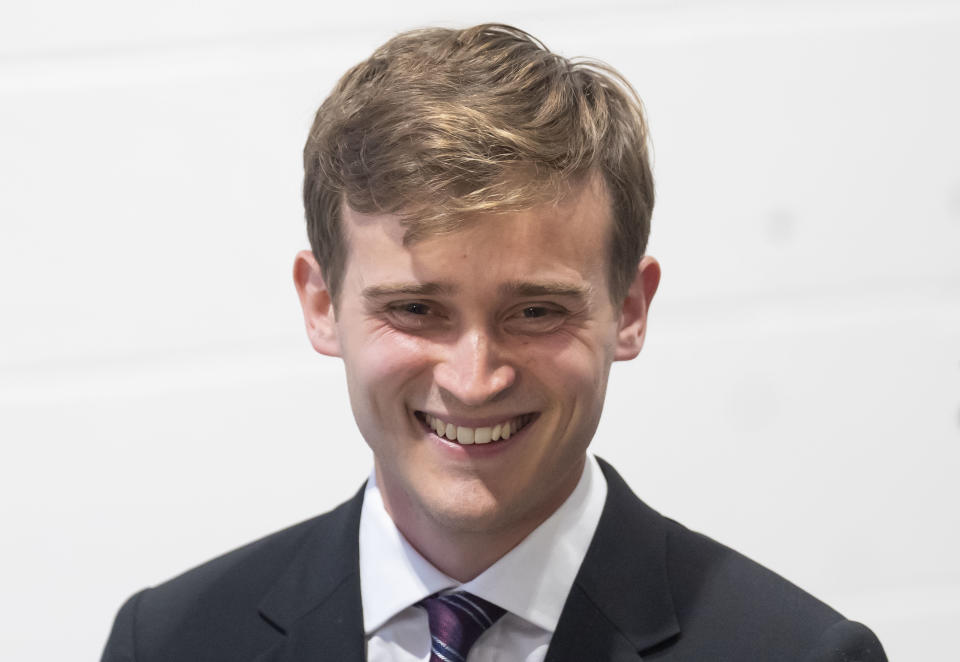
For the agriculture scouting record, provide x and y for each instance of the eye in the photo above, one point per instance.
(533, 312)
(414, 316)
(409, 309)
(536, 318)
(416, 308)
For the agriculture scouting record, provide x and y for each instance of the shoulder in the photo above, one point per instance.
(727, 606)
(220, 597)
(724, 600)
(720, 595)
(705, 573)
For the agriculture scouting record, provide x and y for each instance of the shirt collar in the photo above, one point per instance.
(531, 581)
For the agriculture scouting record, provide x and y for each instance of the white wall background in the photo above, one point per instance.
(798, 396)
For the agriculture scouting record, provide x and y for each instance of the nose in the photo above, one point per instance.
(473, 369)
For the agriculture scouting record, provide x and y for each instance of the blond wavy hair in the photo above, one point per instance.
(439, 125)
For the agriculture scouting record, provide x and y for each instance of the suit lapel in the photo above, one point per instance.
(620, 604)
(585, 632)
(315, 604)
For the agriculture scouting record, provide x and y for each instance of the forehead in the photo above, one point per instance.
(561, 240)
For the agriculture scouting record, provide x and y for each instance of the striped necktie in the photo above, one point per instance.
(456, 622)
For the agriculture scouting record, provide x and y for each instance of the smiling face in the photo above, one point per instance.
(500, 334)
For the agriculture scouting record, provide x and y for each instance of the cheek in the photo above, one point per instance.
(576, 365)
(383, 379)
(381, 367)
(579, 381)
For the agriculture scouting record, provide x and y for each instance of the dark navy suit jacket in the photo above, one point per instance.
(648, 589)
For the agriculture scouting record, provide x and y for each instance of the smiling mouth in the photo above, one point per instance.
(466, 436)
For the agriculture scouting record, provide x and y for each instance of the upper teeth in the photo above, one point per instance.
(466, 435)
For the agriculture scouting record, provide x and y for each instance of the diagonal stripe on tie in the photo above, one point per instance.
(441, 649)
(456, 622)
(477, 607)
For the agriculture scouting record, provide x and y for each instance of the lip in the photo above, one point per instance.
(420, 417)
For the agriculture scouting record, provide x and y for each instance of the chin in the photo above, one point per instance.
(469, 508)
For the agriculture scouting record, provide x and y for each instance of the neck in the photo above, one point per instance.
(464, 549)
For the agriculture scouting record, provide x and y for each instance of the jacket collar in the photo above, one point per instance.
(316, 601)
(621, 604)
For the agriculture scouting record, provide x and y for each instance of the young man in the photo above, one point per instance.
(478, 209)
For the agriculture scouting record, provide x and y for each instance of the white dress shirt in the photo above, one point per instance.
(531, 581)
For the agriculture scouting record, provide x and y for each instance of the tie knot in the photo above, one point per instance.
(456, 622)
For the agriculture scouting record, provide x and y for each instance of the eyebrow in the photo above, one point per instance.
(545, 288)
(408, 289)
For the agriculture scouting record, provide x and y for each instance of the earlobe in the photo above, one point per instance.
(317, 304)
(633, 314)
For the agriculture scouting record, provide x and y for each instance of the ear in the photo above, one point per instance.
(633, 314)
(317, 304)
